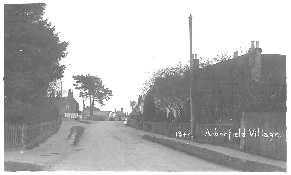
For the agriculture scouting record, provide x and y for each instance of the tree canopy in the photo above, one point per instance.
(32, 54)
(92, 87)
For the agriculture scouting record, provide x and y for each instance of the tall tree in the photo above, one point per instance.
(92, 87)
(32, 52)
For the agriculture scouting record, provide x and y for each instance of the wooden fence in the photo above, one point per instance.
(160, 128)
(133, 123)
(179, 130)
(261, 133)
(183, 130)
(24, 136)
(265, 134)
(219, 134)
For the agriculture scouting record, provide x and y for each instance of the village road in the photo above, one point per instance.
(106, 146)
(112, 146)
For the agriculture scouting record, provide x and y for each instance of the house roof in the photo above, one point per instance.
(120, 113)
(69, 98)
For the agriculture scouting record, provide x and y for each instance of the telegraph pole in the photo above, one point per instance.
(191, 73)
(62, 98)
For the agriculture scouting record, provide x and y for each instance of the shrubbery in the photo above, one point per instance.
(35, 114)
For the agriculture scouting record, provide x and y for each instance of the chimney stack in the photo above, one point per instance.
(70, 93)
(255, 62)
(195, 63)
(235, 54)
(252, 44)
(257, 44)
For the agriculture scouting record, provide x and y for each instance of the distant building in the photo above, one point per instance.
(141, 103)
(120, 115)
(97, 114)
(139, 107)
(112, 115)
(117, 115)
(68, 106)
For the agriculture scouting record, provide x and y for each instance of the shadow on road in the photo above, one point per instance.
(79, 131)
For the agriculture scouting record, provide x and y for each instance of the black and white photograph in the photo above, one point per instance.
(145, 86)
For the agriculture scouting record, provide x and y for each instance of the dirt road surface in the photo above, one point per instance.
(108, 146)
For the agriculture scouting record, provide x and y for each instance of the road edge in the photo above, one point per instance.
(216, 157)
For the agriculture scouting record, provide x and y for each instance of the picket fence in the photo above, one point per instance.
(25, 136)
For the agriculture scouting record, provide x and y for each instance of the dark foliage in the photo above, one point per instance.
(32, 51)
(149, 108)
(223, 91)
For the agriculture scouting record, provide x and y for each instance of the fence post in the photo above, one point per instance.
(242, 127)
(50, 124)
(22, 136)
(13, 136)
(167, 125)
(41, 131)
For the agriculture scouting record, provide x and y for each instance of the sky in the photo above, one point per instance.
(124, 41)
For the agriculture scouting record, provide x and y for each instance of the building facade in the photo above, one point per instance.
(68, 106)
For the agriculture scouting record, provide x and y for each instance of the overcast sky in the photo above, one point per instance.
(121, 40)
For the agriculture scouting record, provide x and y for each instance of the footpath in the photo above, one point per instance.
(220, 155)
